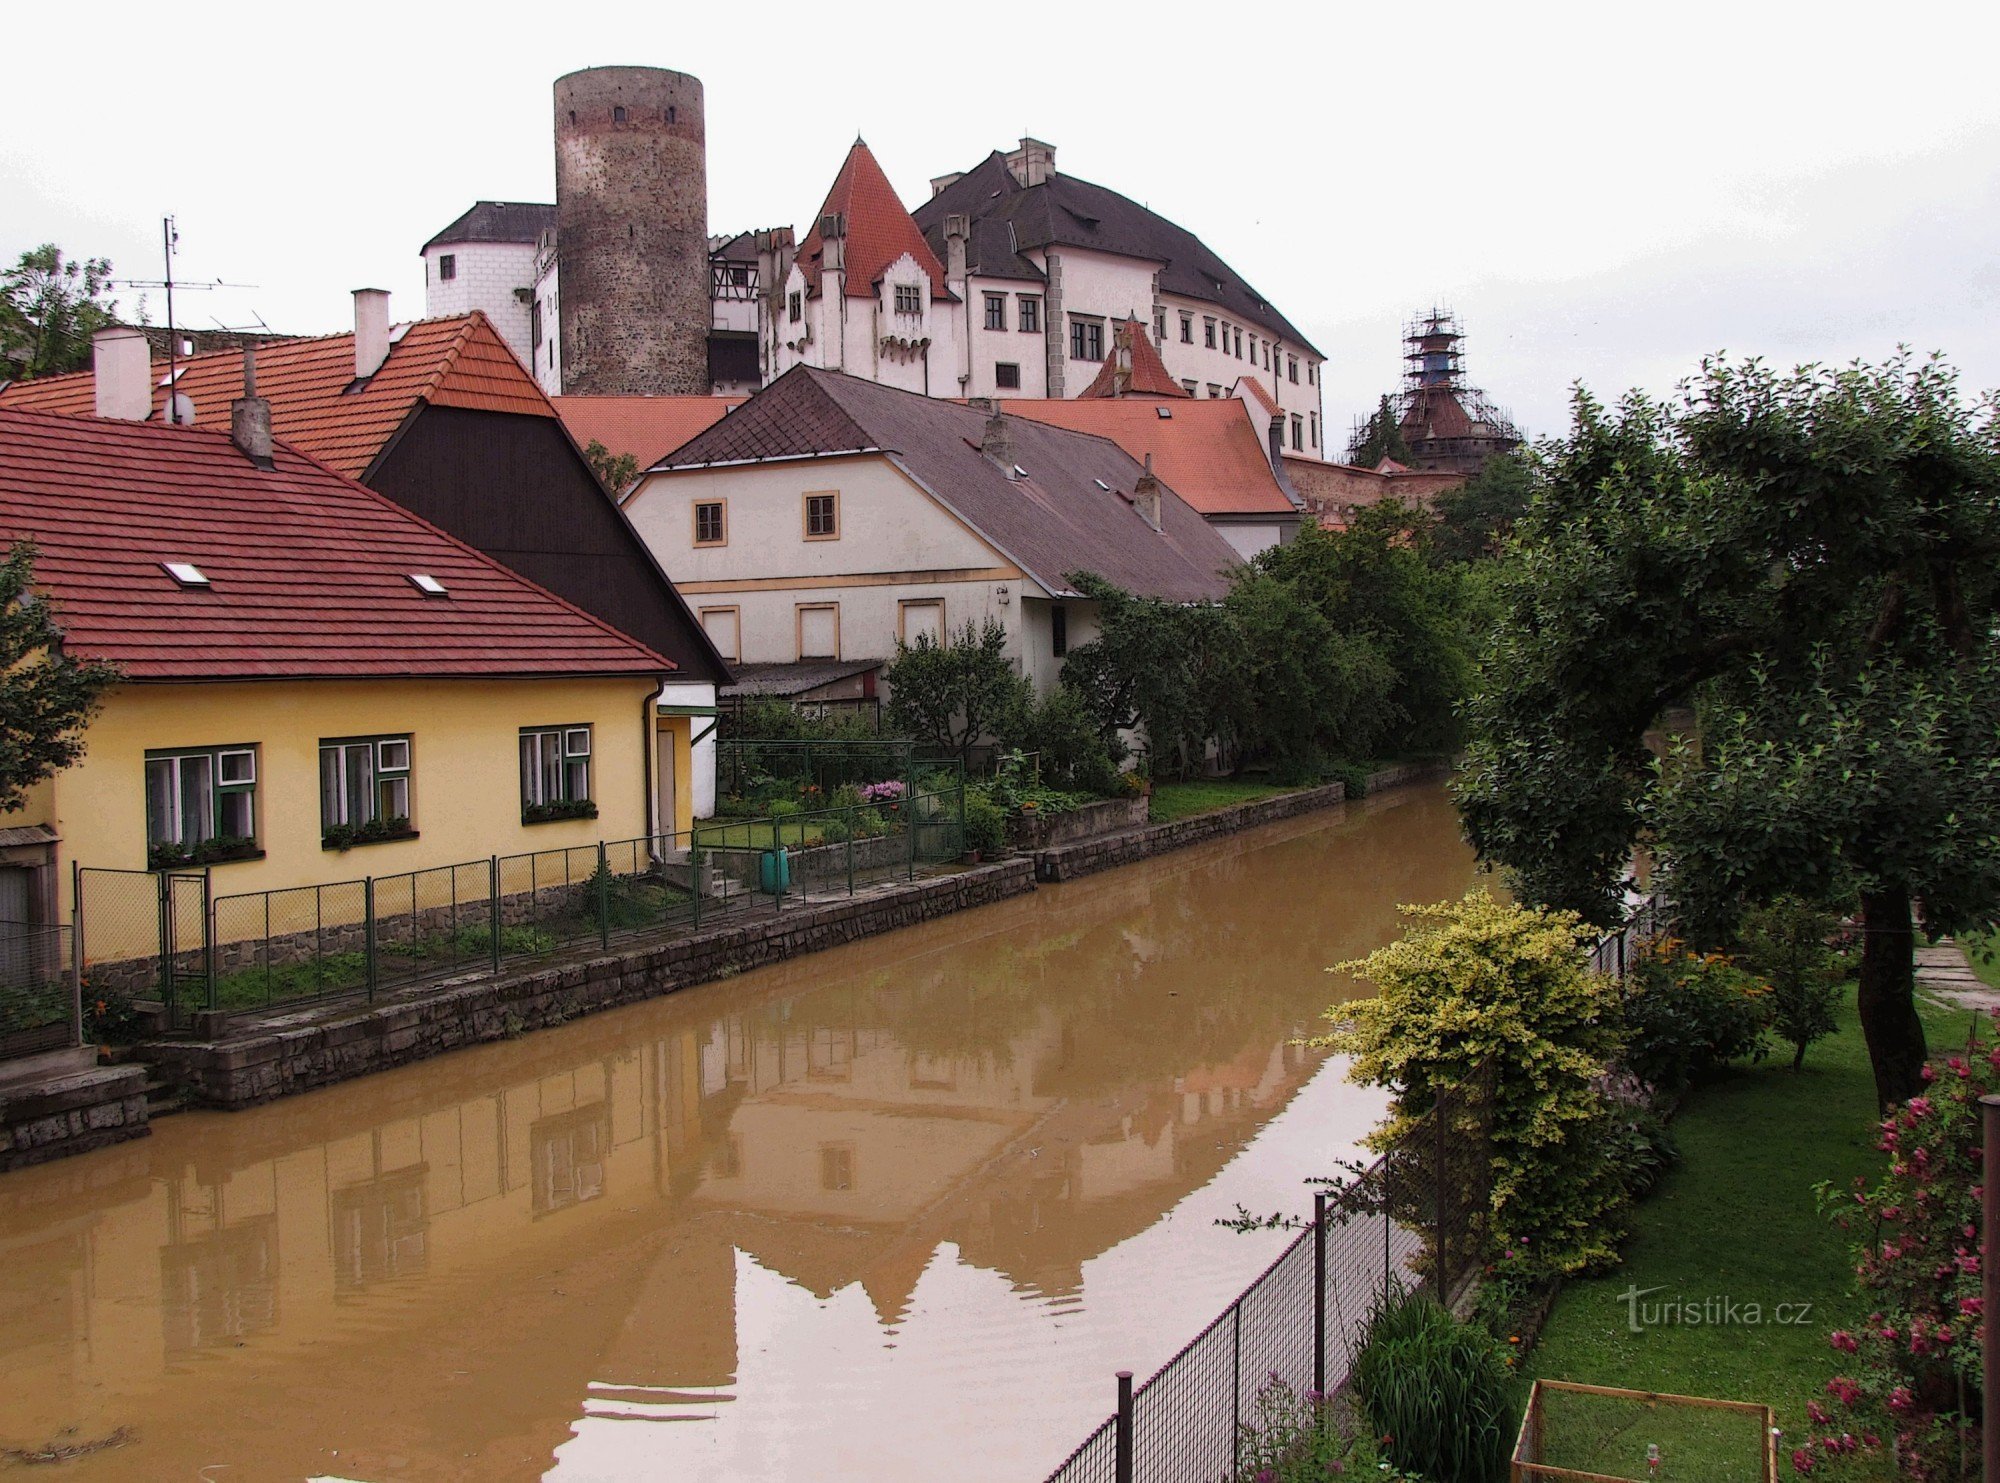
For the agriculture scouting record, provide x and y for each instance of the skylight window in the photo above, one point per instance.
(1102, 485)
(1019, 472)
(428, 585)
(1165, 414)
(186, 573)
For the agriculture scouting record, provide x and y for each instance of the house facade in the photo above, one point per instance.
(441, 417)
(830, 516)
(314, 684)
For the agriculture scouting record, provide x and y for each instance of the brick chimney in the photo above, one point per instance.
(1121, 358)
(122, 373)
(833, 242)
(1033, 163)
(1146, 495)
(957, 229)
(371, 331)
(997, 442)
(250, 415)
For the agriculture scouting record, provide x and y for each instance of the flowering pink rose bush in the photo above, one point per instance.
(1915, 1365)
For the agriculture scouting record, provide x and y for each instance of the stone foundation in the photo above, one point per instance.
(53, 1116)
(313, 1048)
(1093, 820)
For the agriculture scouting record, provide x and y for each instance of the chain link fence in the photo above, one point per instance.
(38, 1001)
(165, 935)
(1410, 1219)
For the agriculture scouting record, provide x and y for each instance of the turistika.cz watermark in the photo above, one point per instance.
(1644, 1311)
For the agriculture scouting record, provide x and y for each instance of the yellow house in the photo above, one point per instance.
(316, 685)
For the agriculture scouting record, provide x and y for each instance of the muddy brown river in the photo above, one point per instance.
(896, 1211)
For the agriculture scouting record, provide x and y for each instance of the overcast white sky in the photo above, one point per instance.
(1603, 192)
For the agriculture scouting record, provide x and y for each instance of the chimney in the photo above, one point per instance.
(122, 367)
(997, 442)
(833, 242)
(1033, 163)
(956, 230)
(371, 331)
(1146, 495)
(942, 183)
(1121, 358)
(250, 415)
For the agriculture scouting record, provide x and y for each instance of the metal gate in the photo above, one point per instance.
(148, 933)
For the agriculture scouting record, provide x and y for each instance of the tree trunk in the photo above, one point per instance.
(1887, 997)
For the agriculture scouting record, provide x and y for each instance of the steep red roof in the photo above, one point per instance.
(310, 571)
(879, 230)
(1256, 389)
(455, 362)
(1135, 368)
(647, 427)
(1207, 452)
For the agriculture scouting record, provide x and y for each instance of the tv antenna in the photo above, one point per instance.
(178, 408)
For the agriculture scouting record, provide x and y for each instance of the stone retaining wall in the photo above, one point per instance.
(1045, 831)
(1067, 862)
(308, 1049)
(53, 1117)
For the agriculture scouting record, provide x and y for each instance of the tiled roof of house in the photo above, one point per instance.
(497, 221)
(310, 571)
(879, 230)
(316, 405)
(647, 427)
(1134, 368)
(1010, 219)
(1258, 394)
(1072, 513)
(1210, 453)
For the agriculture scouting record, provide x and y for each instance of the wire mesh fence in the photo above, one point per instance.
(1594, 1434)
(1410, 1219)
(38, 1004)
(165, 934)
(1617, 952)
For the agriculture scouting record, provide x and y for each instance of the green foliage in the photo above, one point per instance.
(949, 695)
(346, 836)
(985, 823)
(562, 808)
(1689, 1014)
(1790, 945)
(617, 472)
(169, 855)
(1075, 754)
(774, 720)
(327, 973)
(46, 697)
(1810, 561)
(1294, 1438)
(1439, 1392)
(1477, 983)
(50, 306)
(1380, 437)
(1475, 519)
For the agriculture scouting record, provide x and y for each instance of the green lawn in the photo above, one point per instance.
(1982, 951)
(1206, 795)
(1735, 1221)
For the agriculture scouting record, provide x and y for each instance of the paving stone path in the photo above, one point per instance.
(1944, 972)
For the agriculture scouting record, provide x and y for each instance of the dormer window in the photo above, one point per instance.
(909, 298)
(187, 574)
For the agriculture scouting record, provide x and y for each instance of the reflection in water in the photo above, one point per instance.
(912, 1200)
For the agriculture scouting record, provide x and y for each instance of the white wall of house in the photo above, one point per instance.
(1248, 539)
(487, 276)
(546, 358)
(702, 784)
(1027, 349)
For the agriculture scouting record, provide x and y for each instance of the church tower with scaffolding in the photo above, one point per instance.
(1448, 425)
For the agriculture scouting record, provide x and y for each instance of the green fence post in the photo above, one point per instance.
(368, 930)
(75, 953)
(961, 815)
(850, 852)
(493, 906)
(167, 995)
(910, 828)
(208, 935)
(694, 874)
(603, 899)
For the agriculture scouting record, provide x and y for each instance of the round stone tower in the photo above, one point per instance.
(632, 232)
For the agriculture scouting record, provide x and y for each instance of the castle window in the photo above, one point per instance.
(794, 308)
(1189, 387)
(909, 298)
(1239, 344)
(672, 112)
(1187, 329)
(447, 266)
(1007, 375)
(1208, 331)
(1298, 431)
(1214, 391)
(1159, 324)
(1086, 339)
(618, 114)
(1031, 314)
(1292, 368)
(1312, 374)
(996, 311)
(1313, 429)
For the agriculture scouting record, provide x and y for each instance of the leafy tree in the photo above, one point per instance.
(1372, 581)
(1789, 944)
(50, 306)
(1305, 693)
(1473, 519)
(1809, 560)
(617, 472)
(1381, 437)
(46, 697)
(949, 695)
(1059, 728)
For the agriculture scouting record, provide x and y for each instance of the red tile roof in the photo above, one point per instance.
(311, 571)
(1256, 389)
(455, 362)
(1137, 365)
(647, 427)
(1208, 452)
(879, 230)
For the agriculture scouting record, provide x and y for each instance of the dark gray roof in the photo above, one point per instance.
(1072, 513)
(497, 221)
(796, 679)
(1008, 219)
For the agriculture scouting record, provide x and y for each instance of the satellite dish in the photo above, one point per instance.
(179, 409)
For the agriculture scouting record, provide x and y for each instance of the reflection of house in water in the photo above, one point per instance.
(380, 1230)
(219, 1264)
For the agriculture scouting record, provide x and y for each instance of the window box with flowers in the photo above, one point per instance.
(201, 807)
(555, 774)
(364, 791)
(564, 808)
